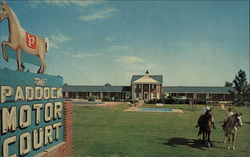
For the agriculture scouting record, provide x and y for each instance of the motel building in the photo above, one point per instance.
(146, 87)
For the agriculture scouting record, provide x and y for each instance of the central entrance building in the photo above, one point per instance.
(146, 87)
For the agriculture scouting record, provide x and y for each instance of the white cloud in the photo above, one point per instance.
(109, 39)
(83, 54)
(129, 60)
(81, 3)
(119, 48)
(98, 15)
(79, 55)
(138, 67)
(85, 3)
(55, 40)
(136, 64)
(60, 38)
(54, 45)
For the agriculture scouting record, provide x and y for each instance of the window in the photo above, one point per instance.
(137, 95)
(138, 86)
(154, 86)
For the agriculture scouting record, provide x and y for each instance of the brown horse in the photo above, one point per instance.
(206, 127)
(230, 129)
(20, 40)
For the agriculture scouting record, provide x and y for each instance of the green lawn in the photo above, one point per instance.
(111, 132)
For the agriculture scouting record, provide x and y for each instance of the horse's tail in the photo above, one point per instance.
(46, 44)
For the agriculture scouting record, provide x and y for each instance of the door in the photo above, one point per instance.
(145, 95)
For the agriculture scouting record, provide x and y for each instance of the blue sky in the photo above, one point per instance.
(190, 43)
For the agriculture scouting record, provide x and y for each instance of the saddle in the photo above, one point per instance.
(204, 119)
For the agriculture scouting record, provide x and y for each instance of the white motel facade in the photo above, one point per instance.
(147, 87)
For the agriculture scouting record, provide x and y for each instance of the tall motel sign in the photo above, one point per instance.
(31, 104)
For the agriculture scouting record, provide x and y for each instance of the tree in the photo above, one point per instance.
(228, 84)
(241, 91)
(107, 84)
(247, 95)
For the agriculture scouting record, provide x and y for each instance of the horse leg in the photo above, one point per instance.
(228, 142)
(43, 64)
(4, 43)
(203, 138)
(208, 139)
(19, 59)
(225, 137)
(233, 139)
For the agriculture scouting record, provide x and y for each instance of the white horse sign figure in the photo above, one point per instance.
(20, 40)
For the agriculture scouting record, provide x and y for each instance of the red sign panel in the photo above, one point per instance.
(30, 40)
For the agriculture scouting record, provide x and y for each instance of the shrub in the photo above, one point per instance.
(129, 100)
(92, 98)
(180, 101)
(132, 101)
(159, 101)
(118, 100)
(152, 101)
(106, 98)
(201, 102)
(169, 100)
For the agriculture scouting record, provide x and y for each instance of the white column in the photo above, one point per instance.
(133, 91)
(101, 95)
(160, 91)
(157, 89)
(149, 93)
(207, 95)
(142, 91)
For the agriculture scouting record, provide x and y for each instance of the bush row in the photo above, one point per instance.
(171, 100)
(107, 98)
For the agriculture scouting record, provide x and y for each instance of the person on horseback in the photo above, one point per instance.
(229, 114)
(202, 113)
(231, 127)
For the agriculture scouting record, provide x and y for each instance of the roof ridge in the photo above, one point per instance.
(98, 85)
(149, 75)
(199, 86)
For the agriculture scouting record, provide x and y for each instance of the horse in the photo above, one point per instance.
(230, 129)
(20, 40)
(206, 127)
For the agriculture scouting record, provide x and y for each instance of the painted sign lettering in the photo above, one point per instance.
(31, 108)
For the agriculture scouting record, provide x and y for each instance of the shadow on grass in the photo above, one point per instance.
(194, 143)
(247, 123)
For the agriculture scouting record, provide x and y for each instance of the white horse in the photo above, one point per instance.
(230, 129)
(20, 40)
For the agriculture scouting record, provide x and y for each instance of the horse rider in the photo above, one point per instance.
(202, 113)
(229, 114)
